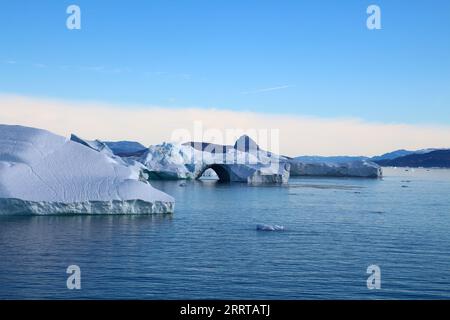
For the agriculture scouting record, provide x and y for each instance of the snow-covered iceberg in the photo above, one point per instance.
(169, 161)
(43, 173)
(357, 168)
(231, 163)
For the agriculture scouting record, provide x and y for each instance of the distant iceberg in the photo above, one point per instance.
(332, 159)
(356, 168)
(43, 173)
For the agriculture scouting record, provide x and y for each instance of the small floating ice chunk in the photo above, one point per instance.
(267, 227)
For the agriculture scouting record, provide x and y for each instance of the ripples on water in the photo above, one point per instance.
(210, 248)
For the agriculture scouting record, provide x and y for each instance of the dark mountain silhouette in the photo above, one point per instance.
(438, 158)
(400, 153)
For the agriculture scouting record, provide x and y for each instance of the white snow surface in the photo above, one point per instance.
(43, 173)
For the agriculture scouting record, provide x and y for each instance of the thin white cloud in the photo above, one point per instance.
(105, 70)
(120, 70)
(155, 73)
(299, 135)
(268, 89)
(94, 68)
(183, 76)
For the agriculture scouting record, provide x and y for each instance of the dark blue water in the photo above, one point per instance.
(210, 248)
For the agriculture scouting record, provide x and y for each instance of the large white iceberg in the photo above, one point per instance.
(43, 173)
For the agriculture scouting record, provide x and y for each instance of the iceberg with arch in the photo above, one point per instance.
(43, 173)
(243, 162)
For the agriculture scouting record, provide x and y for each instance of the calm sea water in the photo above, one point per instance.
(335, 229)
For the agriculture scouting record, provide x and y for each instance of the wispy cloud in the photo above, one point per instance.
(120, 70)
(268, 89)
(155, 73)
(35, 65)
(299, 135)
(183, 76)
(105, 70)
(93, 68)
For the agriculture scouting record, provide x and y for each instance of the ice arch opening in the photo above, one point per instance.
(221, 170)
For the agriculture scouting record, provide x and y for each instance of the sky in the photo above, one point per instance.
(300, 60)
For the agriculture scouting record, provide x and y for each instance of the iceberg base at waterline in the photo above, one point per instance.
(43, 173)
(13, 206)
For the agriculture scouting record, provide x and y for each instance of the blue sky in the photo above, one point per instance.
(314, 58)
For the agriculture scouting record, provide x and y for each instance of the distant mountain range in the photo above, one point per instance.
(400, 153)
(436, 158)
(426, 158)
